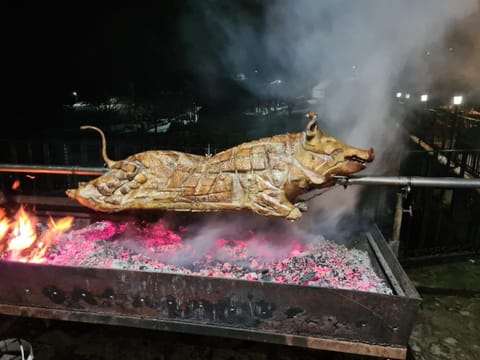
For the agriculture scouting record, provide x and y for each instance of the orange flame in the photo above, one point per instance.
(4, 223)
(20, 241)
(16, 184)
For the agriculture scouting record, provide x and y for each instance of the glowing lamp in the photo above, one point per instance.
(457, 100)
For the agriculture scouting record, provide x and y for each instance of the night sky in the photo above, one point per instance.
(105, 51)
(53, 51)
(198, 46)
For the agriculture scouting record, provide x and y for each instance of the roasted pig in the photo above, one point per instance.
(266, 176)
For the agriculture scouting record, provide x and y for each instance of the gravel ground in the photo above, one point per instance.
(448, 323)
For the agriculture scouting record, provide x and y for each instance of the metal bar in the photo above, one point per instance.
(439, 182)
(395, 271)
(46, 169)
(395, 284)
(397, 224)
(442, 182)
(442, 159)
(444, 151)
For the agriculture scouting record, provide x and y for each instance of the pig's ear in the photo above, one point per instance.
(312, 127)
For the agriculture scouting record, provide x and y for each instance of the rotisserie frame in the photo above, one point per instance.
(321, 318)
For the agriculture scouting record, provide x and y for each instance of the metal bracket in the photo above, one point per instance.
(404, 191)
(342, 180)
(409, 211)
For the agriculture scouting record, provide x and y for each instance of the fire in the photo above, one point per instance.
(16, 185)
(3, 223)
(20, 241)
(254, 255)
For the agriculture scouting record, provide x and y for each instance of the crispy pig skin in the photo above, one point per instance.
(265, 176)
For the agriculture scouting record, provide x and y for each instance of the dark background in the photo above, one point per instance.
(98, 52)
(103, 51)
(142, 52)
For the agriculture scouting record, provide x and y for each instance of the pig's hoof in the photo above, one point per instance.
(294, 214)
(302, 206)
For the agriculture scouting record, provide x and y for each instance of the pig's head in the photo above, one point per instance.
(325, 157)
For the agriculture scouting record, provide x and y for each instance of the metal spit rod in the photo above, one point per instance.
(48, 169)
(408, 181)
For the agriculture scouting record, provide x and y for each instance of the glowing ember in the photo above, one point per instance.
(19, 240)
(155, 247)
(318, 262)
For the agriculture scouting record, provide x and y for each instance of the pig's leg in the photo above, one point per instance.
(274, 203)
(302, 206)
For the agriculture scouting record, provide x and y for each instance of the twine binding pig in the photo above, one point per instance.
(266, 176)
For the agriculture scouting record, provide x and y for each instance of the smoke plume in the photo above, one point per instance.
(358, 52)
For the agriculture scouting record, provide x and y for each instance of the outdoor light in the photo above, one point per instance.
(424, 98)
(457, 100)
(399, 94)
(407, 96)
